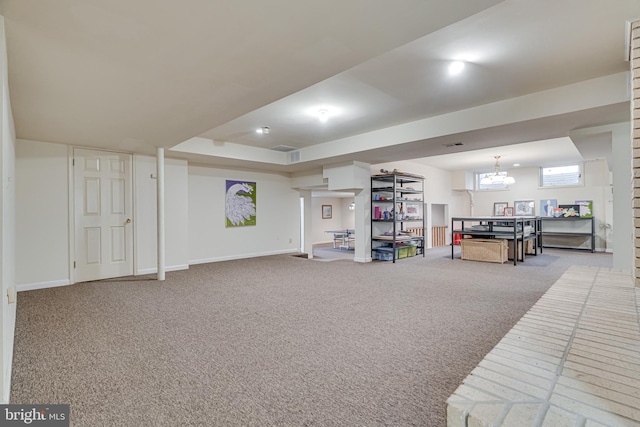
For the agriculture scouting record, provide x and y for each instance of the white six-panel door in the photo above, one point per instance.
(103, 209)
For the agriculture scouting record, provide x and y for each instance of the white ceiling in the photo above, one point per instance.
(134, 76)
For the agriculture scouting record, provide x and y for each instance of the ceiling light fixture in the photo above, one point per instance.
(497, 177)
(323, 115)
(456, 67)
(264, 130)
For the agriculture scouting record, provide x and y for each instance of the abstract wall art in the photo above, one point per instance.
(240, 203)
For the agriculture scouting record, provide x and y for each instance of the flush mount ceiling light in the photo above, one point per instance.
(497, 177)
(323, 112)
(456, 67)
(264, 130)
(323, 115)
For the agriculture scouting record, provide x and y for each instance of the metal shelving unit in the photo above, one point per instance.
(397, 205)
(569, 229)
(500, 227)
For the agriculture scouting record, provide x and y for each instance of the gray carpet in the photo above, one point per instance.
(326, 252)
(273, 341)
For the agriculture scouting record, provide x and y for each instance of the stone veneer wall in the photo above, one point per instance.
(635, 118)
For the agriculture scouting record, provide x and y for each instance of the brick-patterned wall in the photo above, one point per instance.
(635, 116)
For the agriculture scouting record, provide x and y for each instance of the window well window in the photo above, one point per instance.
(557, 176)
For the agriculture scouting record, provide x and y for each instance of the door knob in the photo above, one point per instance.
(128, 220)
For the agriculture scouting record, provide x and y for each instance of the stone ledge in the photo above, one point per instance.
(572, 360)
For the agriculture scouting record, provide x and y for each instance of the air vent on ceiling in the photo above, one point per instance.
(283, 148)
(294, 156)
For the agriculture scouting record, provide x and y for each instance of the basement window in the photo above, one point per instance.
(561, 176)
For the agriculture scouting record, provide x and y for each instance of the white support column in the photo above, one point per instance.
(160, 209)
(428, 225)
(623, 193)
(363, 225)
(308, 223)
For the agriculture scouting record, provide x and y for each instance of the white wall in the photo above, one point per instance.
(194, 210)
(277, 228)
(7, 224)
(437, 185)
(176, 215)
(596, 188)
(42, 209)
(341, 217)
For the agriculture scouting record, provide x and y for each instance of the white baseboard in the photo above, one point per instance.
(168, 268)
(42, 285)
(243, 256)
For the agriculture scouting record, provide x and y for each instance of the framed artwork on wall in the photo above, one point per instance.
(585, 208)
(326, 211)
(498, 208)
(240, 203)
(547, 207)
(524, 207)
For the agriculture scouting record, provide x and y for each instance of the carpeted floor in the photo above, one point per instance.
(326, 252)
(274, 341)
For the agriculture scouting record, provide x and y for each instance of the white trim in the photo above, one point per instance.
(627, 40)
(243, 256)
(167, 268)
(160, 240)
(134, 211)
(365, 259)
(42, 285)
(71, 213)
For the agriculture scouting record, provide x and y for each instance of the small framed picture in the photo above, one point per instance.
(326, 211)
(508, 211)
(498, 208)
(586, 208)
(547, 207)
(524, 207)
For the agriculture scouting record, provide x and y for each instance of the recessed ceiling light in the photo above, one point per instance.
(516, 165)
(456, 67)
(264, 129)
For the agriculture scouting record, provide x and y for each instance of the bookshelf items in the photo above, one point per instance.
(397, 216)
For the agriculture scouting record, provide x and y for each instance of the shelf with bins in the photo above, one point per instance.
(517, 231)
(572, 232)
(397, 216)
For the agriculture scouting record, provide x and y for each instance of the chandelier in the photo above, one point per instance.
(497, 177)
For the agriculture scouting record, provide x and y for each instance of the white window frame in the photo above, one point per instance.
(580, 182)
